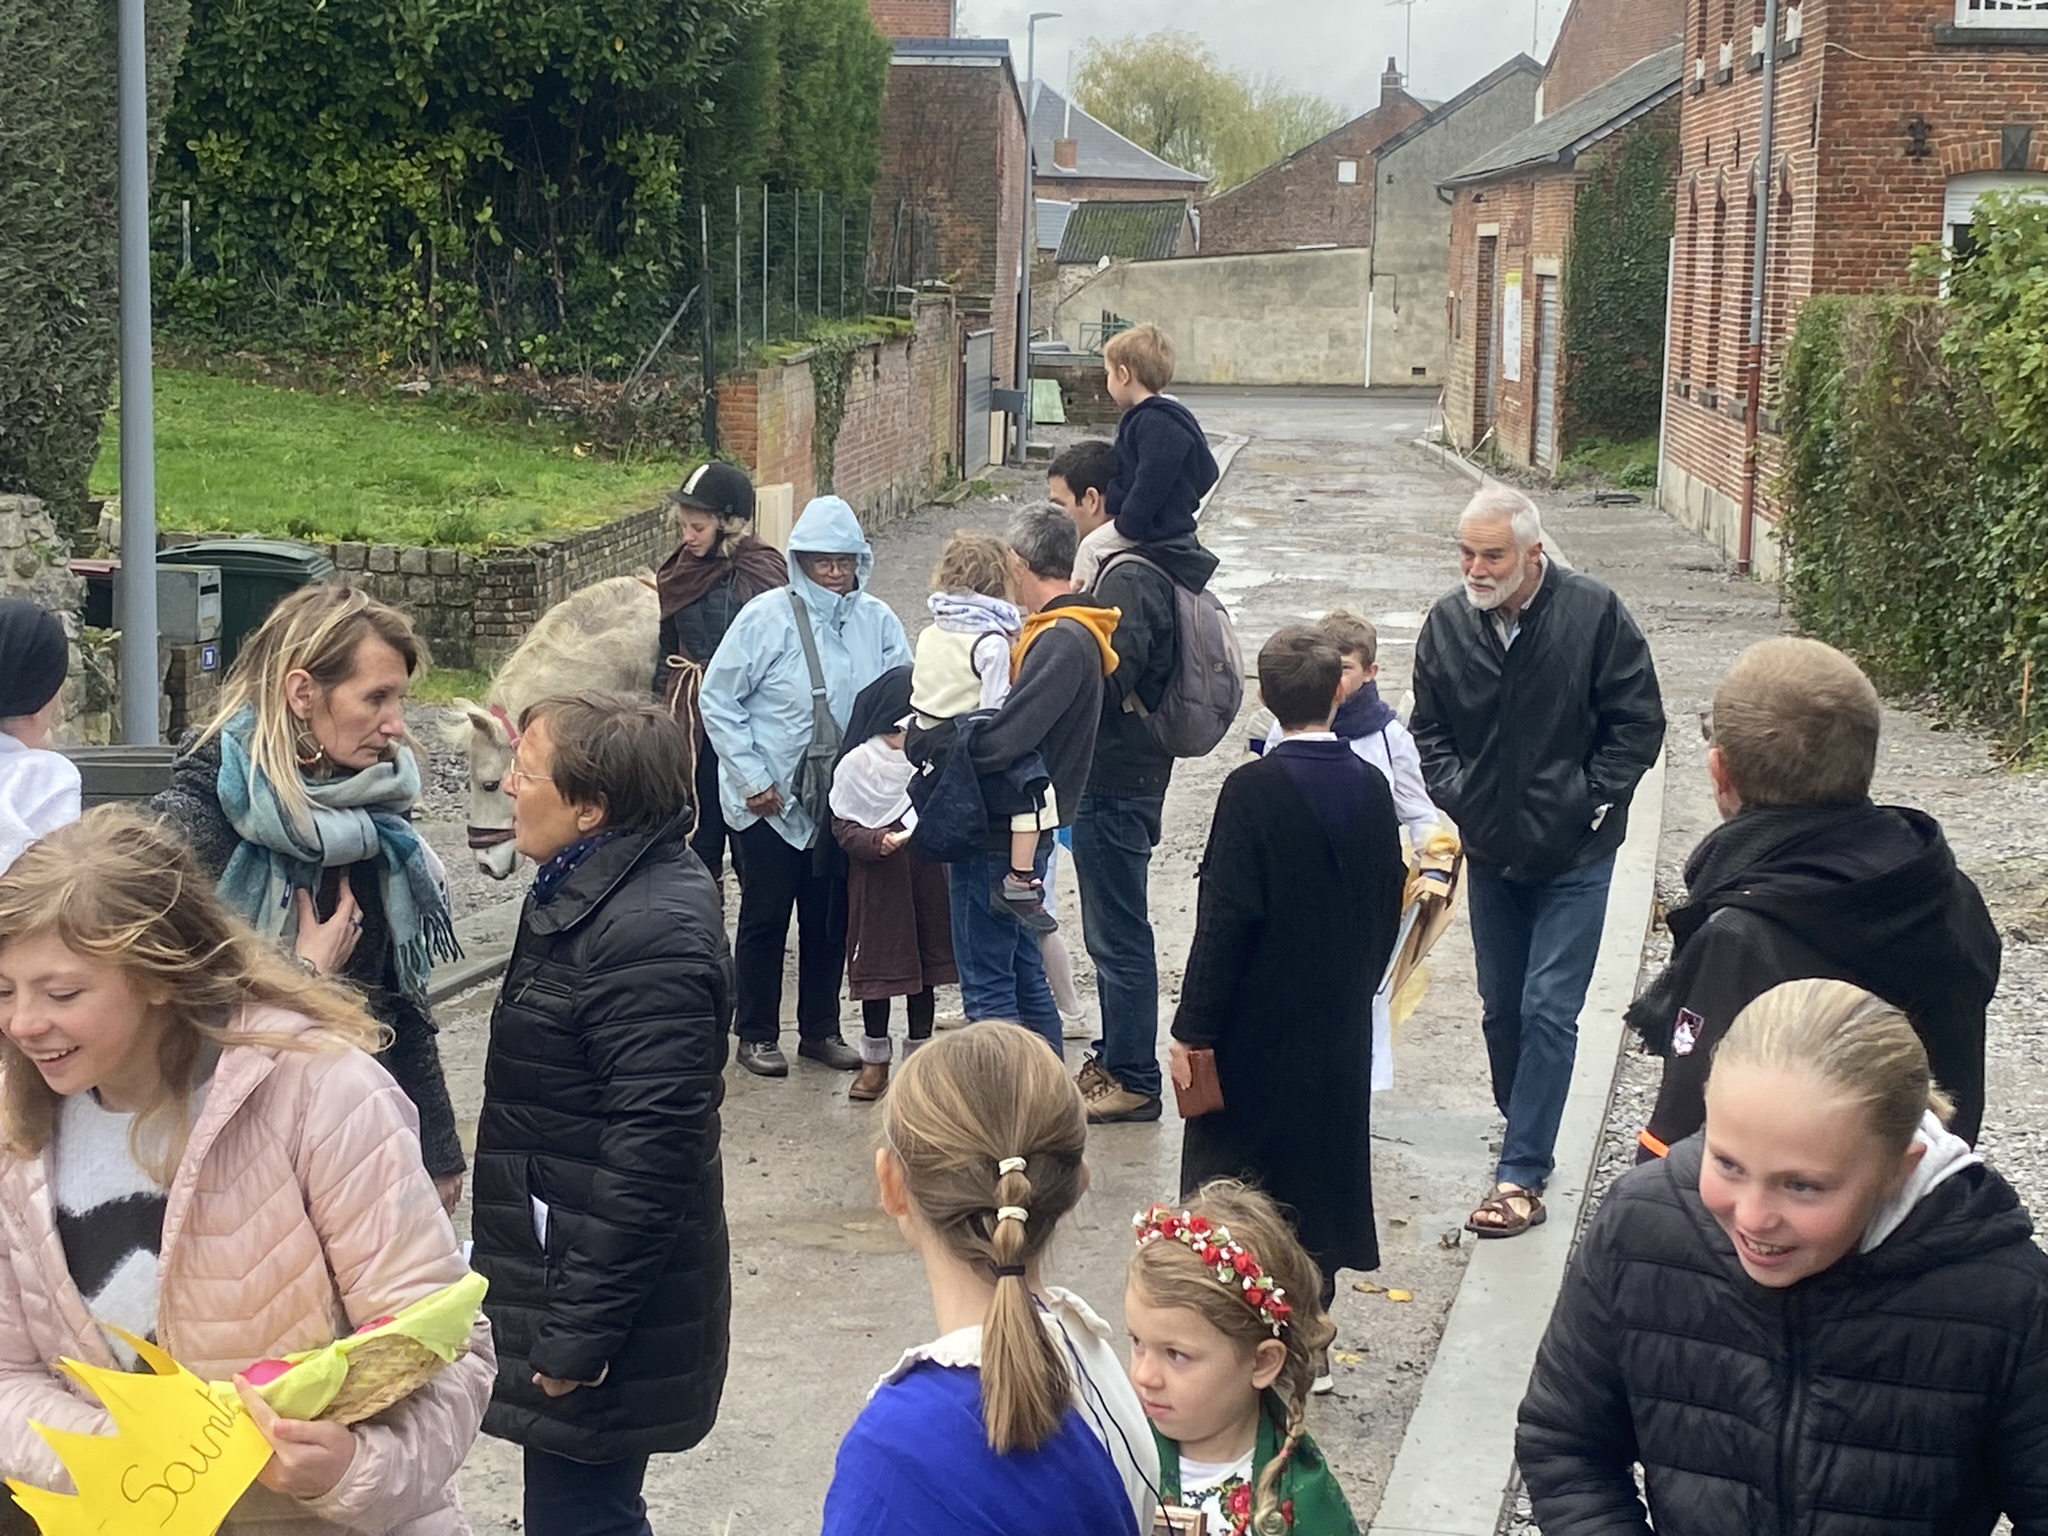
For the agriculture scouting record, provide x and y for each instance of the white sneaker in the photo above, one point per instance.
(1075, 1026)
(1324, 1383)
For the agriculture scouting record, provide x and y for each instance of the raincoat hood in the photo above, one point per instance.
(828, 527)
(755, 699)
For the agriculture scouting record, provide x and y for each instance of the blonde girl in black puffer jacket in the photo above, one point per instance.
(1822, 1314)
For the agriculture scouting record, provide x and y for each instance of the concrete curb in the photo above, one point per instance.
(486, 939)
(1456, 1463)
(1444, 458)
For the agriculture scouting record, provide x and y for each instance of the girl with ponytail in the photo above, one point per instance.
(1226, 1319)
(1017, 1420)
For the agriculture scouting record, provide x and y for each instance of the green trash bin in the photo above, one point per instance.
(254, 574)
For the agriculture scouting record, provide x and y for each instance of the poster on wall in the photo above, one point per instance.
(1511, 328)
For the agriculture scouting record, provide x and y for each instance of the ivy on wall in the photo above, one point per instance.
(1914, 484)
(59, 235)
(1616, 275)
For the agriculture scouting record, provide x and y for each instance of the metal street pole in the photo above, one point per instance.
(1028, 244)
(1759, 273)
(139, 682)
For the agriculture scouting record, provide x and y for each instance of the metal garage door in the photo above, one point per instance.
(977, 403)
(1547, 318)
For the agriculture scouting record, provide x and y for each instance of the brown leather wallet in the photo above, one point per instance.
(1202, 1093)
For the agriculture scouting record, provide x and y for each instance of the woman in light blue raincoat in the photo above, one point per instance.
(758, 711)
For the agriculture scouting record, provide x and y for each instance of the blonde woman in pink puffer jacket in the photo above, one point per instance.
(195, 1147)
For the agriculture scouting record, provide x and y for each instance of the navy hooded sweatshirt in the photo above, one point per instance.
(1164, 469)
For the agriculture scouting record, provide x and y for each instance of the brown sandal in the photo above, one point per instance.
(1508, 1221)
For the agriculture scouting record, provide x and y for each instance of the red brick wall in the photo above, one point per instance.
(1849, 201)
(1300, 201)
(952, 152)
(896, 438)
(913, 18)
(1601, 38)
(1534, 217)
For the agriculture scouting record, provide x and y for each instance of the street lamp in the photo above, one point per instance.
(139, 686)
(1028, 245)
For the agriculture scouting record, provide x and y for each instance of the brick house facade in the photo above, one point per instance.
(913, 18)
(1891, 115)
(949, 194)
(1320, 195)
(1511, 223)
(1600, 38)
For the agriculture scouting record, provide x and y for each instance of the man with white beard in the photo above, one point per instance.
(1536, 713)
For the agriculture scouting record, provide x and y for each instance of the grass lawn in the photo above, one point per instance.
(444, 685)
(242, 457)
(1631, 464)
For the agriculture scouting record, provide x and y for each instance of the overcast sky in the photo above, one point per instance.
(1336, 48)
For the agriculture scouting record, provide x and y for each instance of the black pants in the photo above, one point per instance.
(921, 1009)
(775, 877)
(580, 1498)
(708, 841)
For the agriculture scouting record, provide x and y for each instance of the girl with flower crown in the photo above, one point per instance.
(1226, 1321)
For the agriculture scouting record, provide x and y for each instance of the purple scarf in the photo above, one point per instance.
(1365, 713)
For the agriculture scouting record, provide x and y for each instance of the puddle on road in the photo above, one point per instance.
(856, 1230)
(1397, 621)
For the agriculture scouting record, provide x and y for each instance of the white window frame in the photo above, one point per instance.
(2019, 14)
(1347, 173)
(1959, 197)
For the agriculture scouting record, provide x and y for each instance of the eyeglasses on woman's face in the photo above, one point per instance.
(517, 778)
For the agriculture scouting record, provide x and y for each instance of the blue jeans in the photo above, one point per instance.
(581, 1498)
(1535, 945)
(1114, 836)
(1001, 974)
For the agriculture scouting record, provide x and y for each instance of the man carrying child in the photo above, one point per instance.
(1139, 536)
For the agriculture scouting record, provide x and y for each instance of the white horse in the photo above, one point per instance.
(603, 636)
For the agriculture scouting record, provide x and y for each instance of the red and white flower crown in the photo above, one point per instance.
(1229, 1261)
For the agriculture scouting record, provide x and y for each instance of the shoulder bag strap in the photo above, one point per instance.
(824, 729)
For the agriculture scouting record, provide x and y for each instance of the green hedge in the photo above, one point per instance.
(503, 181)
(1914, 488)
(59, 235)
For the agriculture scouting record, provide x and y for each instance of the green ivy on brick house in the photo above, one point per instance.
(1617, 274)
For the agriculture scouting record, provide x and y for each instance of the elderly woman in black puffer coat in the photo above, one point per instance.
(1821, 1314)
(600, 1197)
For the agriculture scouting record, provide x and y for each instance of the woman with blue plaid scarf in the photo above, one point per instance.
(298, 797)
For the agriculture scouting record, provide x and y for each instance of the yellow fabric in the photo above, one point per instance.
(1099, 622)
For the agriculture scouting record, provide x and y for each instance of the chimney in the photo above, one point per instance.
(1390, 82)
(1066, 154)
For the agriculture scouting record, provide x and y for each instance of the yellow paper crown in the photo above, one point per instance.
(181, 1454)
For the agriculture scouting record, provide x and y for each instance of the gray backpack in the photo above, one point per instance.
(1206, 686)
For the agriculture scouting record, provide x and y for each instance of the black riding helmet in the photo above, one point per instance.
(720, 489)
